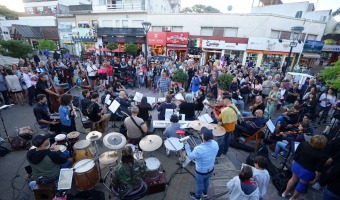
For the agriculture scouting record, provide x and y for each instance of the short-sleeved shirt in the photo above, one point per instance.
(229, 118)
(40, 88)
(94, 114)
(41, 112)
(132, 130)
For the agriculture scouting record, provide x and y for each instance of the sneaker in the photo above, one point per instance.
(272, 155)
(205, 195)
(193, 196)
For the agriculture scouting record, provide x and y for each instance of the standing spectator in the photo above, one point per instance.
(102, 73)
(261, 175)
(14, 86)
(327, 100)
(92, 73)
(195, 85)
(245, 90)
(272, 99)
(3, 86)
(56, 55)
(191, 73)
(213, 85)
(163, 85)
(31, 90)
(267, 86)
(293, 94)
(36, 58)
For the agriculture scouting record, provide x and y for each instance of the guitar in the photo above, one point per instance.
(217, 108)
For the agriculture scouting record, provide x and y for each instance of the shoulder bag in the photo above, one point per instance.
(139, 126)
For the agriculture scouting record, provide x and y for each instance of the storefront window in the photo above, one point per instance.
(270, 60)
(252, 57)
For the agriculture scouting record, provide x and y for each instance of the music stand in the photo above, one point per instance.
(2, 120)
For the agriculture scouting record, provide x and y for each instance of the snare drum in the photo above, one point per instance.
(172, 144)
(61, 139)
(153, 166)
(86, 175)
(82, 150)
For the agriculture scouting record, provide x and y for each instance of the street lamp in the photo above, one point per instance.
(296, 34)
(146, 26)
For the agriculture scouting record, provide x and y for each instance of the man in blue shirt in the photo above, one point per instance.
(250, 126)
(204, 156)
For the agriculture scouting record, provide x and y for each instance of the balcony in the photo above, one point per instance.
(121, 7)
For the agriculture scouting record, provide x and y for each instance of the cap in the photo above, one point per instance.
(39, 140)
(207, 133)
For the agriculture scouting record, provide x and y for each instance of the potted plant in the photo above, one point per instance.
(179, 77)
(224, 81)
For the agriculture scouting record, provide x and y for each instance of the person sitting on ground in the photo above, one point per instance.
(261, 175)
(135, 126)
(124, 102)
(242, 187)
(128, 174)
(250, 126)
(168, 104)
(98, 115)
(188, 108)
(170, 131)
(45, 160)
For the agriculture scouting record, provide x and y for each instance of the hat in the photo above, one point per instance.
(39, 140)
(207, 133)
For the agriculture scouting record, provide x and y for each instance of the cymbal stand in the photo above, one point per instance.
(102, 181)
(3, 123)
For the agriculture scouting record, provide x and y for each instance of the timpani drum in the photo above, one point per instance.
(153, 166)
(82, 150)
(86, 175)
(173, 144)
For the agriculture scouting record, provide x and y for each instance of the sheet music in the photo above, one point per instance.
(151, 100)
(205, 118)
(296, 144)
(270, 126)
(161, 99)
(114, 106)
(168, 113)
(65, 179)
(179, 96)
(206, 102)
(108, 100)
(138, 97)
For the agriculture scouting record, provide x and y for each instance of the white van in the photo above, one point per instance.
(299, 77)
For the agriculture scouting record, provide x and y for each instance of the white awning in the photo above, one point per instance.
(311, 55)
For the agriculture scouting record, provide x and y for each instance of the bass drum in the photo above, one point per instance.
(86, 175)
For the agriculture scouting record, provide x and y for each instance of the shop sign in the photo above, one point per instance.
(156, 38)
(268, 44)
(177, 37)
(331, 48)
(136, 40)
(234, 46)
(213, 44)
(313, 46)
(82, 32)
(84, 39)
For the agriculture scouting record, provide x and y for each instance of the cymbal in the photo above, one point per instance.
(197, 125)
(93, 136)
(114, 140)
(150, 143)
(108, 157)
(73, 134)
(218, 130)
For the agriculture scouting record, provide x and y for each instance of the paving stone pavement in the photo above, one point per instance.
(12, 165)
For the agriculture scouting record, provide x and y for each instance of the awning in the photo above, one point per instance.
(50, 33)
(254, 51)
(275, 53)
(28, 31)
(310, 55)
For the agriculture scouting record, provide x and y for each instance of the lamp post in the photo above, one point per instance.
(296, 33)
(146, 26)
(100, 54)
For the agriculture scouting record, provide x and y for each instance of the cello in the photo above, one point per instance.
(55, 100)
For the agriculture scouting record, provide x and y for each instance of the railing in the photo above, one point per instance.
(126, 7)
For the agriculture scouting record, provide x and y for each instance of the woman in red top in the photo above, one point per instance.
(102, 73)
(109, 72)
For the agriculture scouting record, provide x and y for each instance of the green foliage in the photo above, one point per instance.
(47, 44)
(15, 48)
(331, 75)
(9, 14)
(179, 76)
(131, 49)
(112, 46)
(199, 8)
(224, 81)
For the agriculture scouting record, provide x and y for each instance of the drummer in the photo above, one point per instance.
(129, 173)
(45, 160)
(170, 131)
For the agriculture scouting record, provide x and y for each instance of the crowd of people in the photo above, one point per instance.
(254, 96)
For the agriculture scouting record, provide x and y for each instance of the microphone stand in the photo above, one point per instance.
(2, 120)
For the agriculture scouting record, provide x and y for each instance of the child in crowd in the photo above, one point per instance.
(261, 175)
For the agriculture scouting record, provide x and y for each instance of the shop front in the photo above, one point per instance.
(266, 53)
(235, 51)
(331, 54)
(83, 38)
(212, 50)
(311, 53)
(177, 44)
(157, 43)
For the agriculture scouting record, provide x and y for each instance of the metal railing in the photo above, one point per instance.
(126, 7)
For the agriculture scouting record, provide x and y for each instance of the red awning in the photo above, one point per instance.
(119, 50)
(156, 38)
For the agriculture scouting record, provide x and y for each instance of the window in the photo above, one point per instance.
(83, 24)
(125, 23)
(298, 14)
(311, 37)
(157, 29)
(207, 31)
(177, 28)
(117, 23)
(65, 26)
(285, 35)
(107, 23)
(275, 34)
(230, 32)
(218, 31)
(137, 23)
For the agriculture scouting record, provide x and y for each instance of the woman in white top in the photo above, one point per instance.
(327, 100)
(92, 73)
(256, 89)
(14, 86)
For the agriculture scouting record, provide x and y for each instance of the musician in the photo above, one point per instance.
(135, 126)
(81, 80)
(258, 105)
(97, 114)
(117, 87)
(168, 104)
(45, 160)
(199, 100)
(42, 88)
(293, 94)
(67, 114)
(188, 108)
(128, 174)
(42, 115)
(85, 102)
(250, 125)
(204, 155)
(291, 115)
(228, 117)
(124, 101)
(170, 131)
(144, 108)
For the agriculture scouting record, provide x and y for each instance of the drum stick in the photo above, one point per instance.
(74, 169)
(173, 145)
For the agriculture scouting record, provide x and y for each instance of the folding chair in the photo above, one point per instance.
(257, 136)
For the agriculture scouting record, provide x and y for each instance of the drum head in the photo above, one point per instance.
(173, 144)
(152, 163)
(60, 137)
(83, 165)
(82, 144)
(73, 134)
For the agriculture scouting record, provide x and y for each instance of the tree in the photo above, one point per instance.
(131, 49)
(15, 48)
(112, 46)
(9, 14)
(199, 8)
(47, 44)
(332, 75)
(224, 81)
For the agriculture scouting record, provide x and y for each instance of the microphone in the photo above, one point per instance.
(184, 138)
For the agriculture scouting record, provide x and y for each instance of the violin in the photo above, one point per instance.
(217, 108)
(289, 133)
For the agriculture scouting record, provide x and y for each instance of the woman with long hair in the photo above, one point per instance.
(67, 114)
(144, 108)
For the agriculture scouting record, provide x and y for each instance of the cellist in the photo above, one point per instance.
(42, 88)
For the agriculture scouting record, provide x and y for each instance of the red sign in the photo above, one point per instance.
(156, 38)
(177, 37)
